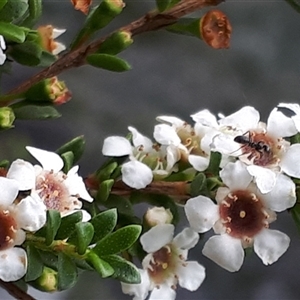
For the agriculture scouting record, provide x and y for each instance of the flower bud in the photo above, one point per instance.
(82, 5)
(47, 35)
(47, 282)
(157, 215)
(215, 29)
(7, 117)
(51, 90)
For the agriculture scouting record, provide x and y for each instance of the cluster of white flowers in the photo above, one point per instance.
(257, 167)
(27, 192)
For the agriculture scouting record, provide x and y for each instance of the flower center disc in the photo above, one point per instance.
(243, 214)
(8, 229)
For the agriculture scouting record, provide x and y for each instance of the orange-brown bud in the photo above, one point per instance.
(82, 5)
(215, 29)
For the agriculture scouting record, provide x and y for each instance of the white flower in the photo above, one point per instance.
(165, 264)
(147, 160)
(192, 143)
(241, 218)
(260, 146)
(27, 214)
(58, 191)
(2, 47)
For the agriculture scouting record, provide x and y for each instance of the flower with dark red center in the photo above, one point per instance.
(165, 264)
(27, 214)
(241, 218)
(261, 146)
(58, 190)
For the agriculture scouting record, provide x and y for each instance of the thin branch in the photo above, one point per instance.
(149, 22)
(15, 291)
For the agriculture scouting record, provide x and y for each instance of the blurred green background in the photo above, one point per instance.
(175, 75)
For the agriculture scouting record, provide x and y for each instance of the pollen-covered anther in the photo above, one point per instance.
(164, 266)
(226, 203)
(247, 239)
(227, 220)
(228, 230)
(5, 212)
(254, 197)
(173, 287)
(12, 228)
(181, 257)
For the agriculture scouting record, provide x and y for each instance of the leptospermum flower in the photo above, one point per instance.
(147, 160)
(260, 146)
(16, 216)
(165, 265)
(2, 48)
(241, 218)
(193, 143)
(58, 191)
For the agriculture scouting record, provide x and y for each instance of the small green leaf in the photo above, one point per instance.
(67, 272)
(198, 185)
(186, 26)
(295, 211)
(186, 175)
(104, 190)
(122, 204)
(4, 164)
(12, 33)
(28, 53)
(214, 164)
(118, 241)
(2, 3)
(116, 43)
(52, 225)
(35, 11)
(104, 223)
(14, 11)
(125, 271)
(35, 264)
(67, 225)
(82, 236)
(104, 172)
(68, 158)
(163, 4)
(100, 265)
(76, 146)
(49, 259)
(97, 19)
(108, 62)
(295, 139)
(27, 111)
(46, 59)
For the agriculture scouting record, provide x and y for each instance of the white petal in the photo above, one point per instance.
(136, 174)
(225, 251)
(269, 245)
(24, 173)
(199, 163)
(49, 160)
(116, 146)
(246, 118)
(85, 215)
(175, 122)
(76, 185)
(295, 107)
(139, 290)
(290, 162)
(265, 179)
(164, 292)
(9, 189)
(57, 32)
(2, 42)
(279, 125)
(13, 264)
(190, 275)
(173, 156)
(283, 195)
(157, 237)
(166, 135)
(59, 47)
(205, 117)
(225, 144)
(235, 175)
(201, 213)
(186, 239)
(2, 57)
(140, 140)
(31, 212)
